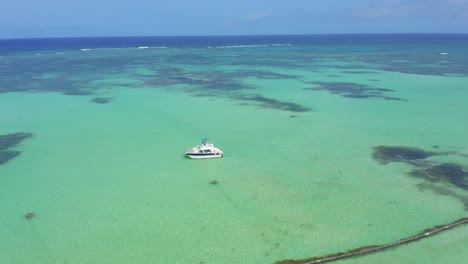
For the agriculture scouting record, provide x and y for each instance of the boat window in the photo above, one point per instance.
(207, 150)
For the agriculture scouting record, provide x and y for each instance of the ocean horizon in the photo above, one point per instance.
(331, 142)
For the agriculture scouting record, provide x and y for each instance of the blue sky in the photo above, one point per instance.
(65, 18)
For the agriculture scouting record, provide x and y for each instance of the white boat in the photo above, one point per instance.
(204, 151)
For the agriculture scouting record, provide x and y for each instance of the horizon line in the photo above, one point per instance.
(233, 35)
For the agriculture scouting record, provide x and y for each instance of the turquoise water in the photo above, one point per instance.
(298, 123)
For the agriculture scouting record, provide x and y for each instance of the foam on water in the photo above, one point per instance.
(123, 48)
(248, 46)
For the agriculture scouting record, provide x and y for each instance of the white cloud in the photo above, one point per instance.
(258, 16)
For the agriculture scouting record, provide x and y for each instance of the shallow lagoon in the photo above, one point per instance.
(108, 183)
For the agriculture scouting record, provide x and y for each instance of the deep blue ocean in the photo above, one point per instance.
(352, 42)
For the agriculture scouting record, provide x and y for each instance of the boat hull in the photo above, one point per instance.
(204, 156)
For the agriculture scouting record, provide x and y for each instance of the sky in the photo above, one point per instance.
(78, 18)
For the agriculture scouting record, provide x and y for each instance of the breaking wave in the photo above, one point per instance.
(124, 48)
(248, 46)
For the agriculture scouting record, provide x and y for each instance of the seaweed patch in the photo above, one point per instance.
(29, 216)
(221, 84)
(199, 80)
(6, 155)
(361, 72)
(77, 92)
(271, 103)
(353, 90)
(444, 172)
(9, 141)
(100, 100)
(387, 154)
(431, 172)
(261, 74)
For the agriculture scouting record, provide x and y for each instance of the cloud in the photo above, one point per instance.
(258, 16)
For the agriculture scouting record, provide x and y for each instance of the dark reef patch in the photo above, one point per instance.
(187, 58)
(52, 72)
(271, 103)
(100, 100)
(268, 75)
(432, 172)
(387, 154)
(388, 98)
(61, 74)
(9, 141)
(197, 80)
(6, 155)
(351, 67)
(210, 80)
(274, 60)
(361, 72)
(444, 172)
(77, 92)
(353, 90)
(416, 62)
(222, 84)
(29, 216)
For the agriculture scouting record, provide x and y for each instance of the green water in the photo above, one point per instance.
(108, 183)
